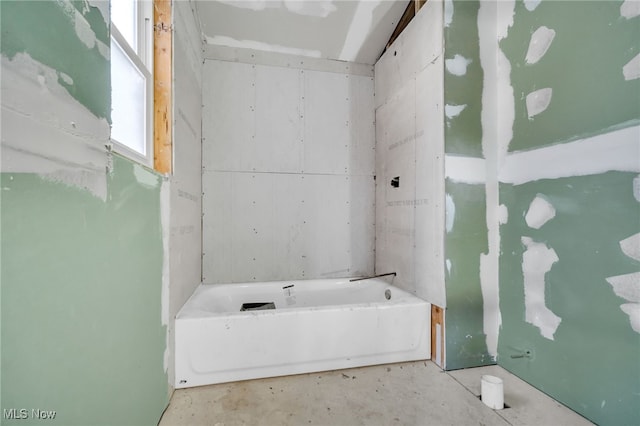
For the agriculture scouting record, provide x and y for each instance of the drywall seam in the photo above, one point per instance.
(165, 223)
(47, 131)
(450, 213)
(618, 150)
(540, 212)
(503, 214)
(258, 57)
(537, 260)
(82, 28)
(103, 8)
(145, 177)
(497, 117)
(317, 8)
(448, 12)
(259, 45)
(465, 169)
(358, 30)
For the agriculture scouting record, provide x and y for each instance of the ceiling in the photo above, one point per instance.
(346, 30)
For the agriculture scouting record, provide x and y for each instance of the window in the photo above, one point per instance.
(131, 79)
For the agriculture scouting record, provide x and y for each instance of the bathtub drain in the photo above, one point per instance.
(257, 306)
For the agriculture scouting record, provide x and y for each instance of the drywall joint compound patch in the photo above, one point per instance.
(540, 212)
(631, 70)
(457, 65)
(450, 212)
(448, 12)
(531, 5)
(452, 111)
(537, 260)
(631, 246)
(630, 9)
(539, 44)
(538, 101)
(220, 40)
(628, 286)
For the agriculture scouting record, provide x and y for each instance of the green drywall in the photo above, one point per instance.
(583, 67)
(81, 330)
(593, 363)
(81, 283)
(465, 241)
(463, 133)
(48, 32)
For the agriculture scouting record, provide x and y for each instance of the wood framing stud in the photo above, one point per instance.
(437, 336)
(407, 16)
(162, 70)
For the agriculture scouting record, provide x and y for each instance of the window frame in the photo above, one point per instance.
(142, 59)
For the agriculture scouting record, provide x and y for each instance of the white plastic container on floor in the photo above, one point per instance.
(492, 392)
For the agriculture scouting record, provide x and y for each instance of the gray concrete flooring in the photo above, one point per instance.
(412, 393)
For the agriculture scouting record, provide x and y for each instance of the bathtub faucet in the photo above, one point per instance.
(374, 276)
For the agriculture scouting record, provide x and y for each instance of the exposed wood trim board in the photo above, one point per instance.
(407, 16)
(162, 80)
(437, 335)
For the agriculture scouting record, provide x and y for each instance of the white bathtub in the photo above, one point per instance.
(317, 325)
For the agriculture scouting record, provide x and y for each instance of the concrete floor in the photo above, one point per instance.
(412, 393)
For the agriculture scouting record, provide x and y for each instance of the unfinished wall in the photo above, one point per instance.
(288, 162)
(82, 250)
(185, 195)
(569, 280)
(409, 146)
(471, 328)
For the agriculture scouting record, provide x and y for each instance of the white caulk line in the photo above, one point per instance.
(618, 150)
